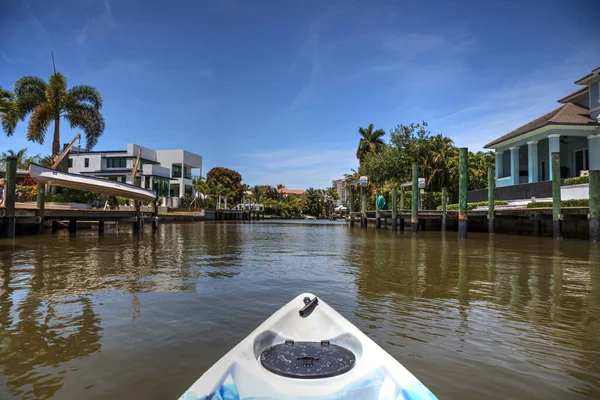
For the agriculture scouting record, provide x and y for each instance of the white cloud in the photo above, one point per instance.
(299, 168)
(205, 72)
(512, 105)
(99, 26)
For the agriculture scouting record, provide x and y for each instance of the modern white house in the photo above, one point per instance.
(169, 172)
(523, 155)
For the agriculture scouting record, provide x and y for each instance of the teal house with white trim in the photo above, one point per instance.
(573, 130)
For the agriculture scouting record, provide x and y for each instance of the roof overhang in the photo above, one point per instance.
(540, 130)
(590, 78)
(575, 95)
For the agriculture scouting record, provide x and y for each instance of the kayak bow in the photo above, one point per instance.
(307, 350)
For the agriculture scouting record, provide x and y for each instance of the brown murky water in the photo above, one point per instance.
(143, 316)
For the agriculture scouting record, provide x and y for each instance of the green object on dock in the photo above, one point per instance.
(414, 217)
(380, 203)
(556, 195)
(462, 192)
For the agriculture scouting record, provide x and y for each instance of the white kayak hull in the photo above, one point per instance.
(241, 375)
(89, 183)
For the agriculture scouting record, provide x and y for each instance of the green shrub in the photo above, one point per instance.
(564, 203)
(472, 206)
(430, 200)
(580, 180)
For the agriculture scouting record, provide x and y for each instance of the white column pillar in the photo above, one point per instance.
(514, 165)
(532, 160)
(553, 147)
(499, 164)
(594, 151)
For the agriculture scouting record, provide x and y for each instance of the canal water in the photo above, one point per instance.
(126, 316)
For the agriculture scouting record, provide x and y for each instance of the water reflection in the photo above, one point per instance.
(492, 314)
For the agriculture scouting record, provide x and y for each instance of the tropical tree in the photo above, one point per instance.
(200, 186)
(8, 111)
(50, 101)
(23, 160)
(370, 141)
(227, 176)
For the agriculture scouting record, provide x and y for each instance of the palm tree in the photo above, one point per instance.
(200, 186)
(370, 141)
(49, 101)
(8, 111)
(23, 160)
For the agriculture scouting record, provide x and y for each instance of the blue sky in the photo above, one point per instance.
(278, 89)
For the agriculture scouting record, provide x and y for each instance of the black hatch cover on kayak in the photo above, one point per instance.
(307, 360)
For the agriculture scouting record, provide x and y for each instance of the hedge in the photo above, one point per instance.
(579, 180)
(430, 200)
(472, 206)
(564, 203)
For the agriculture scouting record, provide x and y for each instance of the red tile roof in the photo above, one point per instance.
(568, 114)
(298, 192)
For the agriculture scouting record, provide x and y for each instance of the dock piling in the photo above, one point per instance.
(363, 207)
(444, 208)
(462, 192)
(351, 205)
(594, 204)
(394, 209)
(137, 226)
(377, 212)
(41, 199)
(10, 186)
(72, 226)
(491, 198)
(100, 227)
(414, 218)
(556, 215)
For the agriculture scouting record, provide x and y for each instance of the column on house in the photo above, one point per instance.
(594, 152)
(532, 160)
(553, 147)
(499, 164)
(514, 165)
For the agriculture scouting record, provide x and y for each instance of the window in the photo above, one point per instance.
(187, 172)
(176, 171)
(70, 163)
(86, 162)
(505, 165)
(116, 163)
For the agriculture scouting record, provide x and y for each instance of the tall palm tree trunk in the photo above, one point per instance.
(56, 140)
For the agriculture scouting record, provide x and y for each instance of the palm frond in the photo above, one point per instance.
(87, 94)
(89, 120)
(38, 123)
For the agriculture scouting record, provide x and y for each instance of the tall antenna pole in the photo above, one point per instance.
(53, 65)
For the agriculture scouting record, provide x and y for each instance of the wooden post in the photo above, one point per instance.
(462, 192)
(537, 225)
(363, 207)
(491, 198)
(414, 219)
(72, 226)
(377, 212)
(402, 224)
(10, 187)
(100, 227)
(155, 215)
(444, 208)
(351, 204)
(137, 223)
(556, 216)
(41, 197)
(402, 198)
(394, 209)
(54, 226)
(594, 218)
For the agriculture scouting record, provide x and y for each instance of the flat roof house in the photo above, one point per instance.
(573, 130)
(169, 172)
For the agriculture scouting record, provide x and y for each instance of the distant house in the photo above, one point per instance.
(573, 130)
(286, 192)
(340, 187)
(169, 172)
